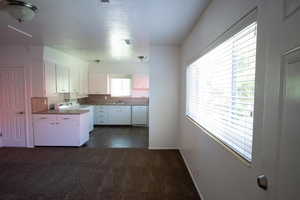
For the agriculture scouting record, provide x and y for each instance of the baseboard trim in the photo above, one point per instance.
(191, 174)
(163, 148)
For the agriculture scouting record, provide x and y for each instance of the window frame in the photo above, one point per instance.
(130, 86)
(245, 21)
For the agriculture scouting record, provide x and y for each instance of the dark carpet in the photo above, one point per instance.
(85, 173)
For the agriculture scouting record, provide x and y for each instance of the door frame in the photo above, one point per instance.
(26, 102)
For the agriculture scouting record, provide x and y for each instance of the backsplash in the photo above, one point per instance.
(107, 99)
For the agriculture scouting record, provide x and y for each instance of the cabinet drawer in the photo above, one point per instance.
(101, 115)
(121, 108)
(100, 111)
(100, 108)
(44, 118)
(68, 120)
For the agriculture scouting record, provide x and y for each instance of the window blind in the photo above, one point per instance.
(220, 90)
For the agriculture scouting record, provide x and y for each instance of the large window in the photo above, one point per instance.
(220, 91)
(120, 87)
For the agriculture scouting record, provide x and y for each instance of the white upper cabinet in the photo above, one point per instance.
(140, 81)
(83, 82)
(74, 81)
(98, 83)
(62, 79)
(140, 86)
(50, 79)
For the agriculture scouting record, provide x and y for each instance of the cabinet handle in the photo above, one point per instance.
(66, 118)
(52, 123)
(57, 122)
(43, 118)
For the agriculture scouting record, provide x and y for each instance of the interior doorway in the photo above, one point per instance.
(12, 106)
(121, 117)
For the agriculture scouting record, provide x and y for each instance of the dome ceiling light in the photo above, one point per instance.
(142, 58)
(20, 10)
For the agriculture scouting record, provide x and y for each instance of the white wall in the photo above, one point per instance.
(217, 173)
(62, 58)
(120, 67)
(164, 92)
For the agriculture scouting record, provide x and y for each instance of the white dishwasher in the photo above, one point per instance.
(140, 115)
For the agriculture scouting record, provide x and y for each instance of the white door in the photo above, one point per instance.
(12, 107)
(281, 136)
(289, 145)
(289, 166)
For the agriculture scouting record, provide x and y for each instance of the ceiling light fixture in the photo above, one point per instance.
(21, 11)
(127, 41)
(141, 58)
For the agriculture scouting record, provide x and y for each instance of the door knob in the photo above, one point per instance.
(262, 182)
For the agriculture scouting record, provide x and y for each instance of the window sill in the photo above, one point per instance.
(217, 140)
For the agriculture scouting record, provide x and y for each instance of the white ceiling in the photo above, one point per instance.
(93, 30)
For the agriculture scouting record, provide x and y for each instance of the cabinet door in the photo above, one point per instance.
(140, 81)
(120, 115)
(50, 79)
(74, 81)
(98, 83)
(68, 127)
(63, 80)
(83, 82)
(140, 115)
(45, 132)
(101, 115)
(140, 85)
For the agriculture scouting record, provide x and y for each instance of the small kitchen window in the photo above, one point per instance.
(120, 87)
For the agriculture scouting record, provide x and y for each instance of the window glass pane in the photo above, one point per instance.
(220, 90)
(120, 87)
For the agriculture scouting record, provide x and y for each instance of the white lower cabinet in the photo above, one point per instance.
(101, 115)
(120, 115)
(112, 115)
(61, 130)
(140, 115)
